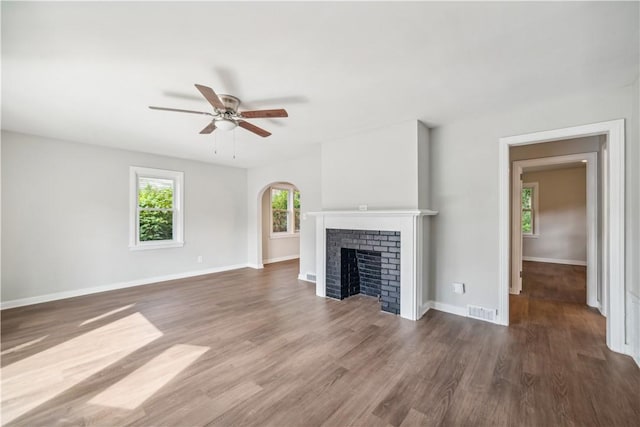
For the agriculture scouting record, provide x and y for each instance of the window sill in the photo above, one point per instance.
(284, 235)
(531, 236)
(150, 246)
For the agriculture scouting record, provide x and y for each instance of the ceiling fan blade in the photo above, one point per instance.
(253, 128)
(256, 114)
(210, 128)
(180, 111)
(211, 96)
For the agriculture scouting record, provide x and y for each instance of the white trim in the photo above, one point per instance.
(634, 323)
(451, 309)
(305, 277)
(255, 266)
(282, 258)
(516, 230)
(158, 244)
(399, 212)
(448, 308)
(591, 213)
(555, 260)
(535, 227)
(284, 235)
(613, 297)
(424, 308)
(113, 286)
(178, 208)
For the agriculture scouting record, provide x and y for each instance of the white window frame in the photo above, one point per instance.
(136, 172)
(535, 226)
(291, 231)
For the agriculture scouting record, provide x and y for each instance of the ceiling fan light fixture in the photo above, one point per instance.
(226, 115)
(225, 124)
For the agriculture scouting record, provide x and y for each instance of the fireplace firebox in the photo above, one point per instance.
(364, 262)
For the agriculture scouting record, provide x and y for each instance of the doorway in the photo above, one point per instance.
(555, 214)
(611, 256)
(280, 220)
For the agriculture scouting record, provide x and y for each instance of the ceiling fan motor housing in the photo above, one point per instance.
(231, 103)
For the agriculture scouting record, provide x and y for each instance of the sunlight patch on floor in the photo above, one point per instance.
(131, 391)
(109, 313)
(22, 346)
(36, 379)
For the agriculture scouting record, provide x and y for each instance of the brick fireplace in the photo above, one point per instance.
(399, 238)
(364, 262)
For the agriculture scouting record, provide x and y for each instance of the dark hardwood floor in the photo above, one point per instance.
(252, 347)
(557, 282)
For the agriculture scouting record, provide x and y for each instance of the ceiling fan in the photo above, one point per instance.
(226, 115)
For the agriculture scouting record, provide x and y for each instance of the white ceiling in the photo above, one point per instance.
(86, 72)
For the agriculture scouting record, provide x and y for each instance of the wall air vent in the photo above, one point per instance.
(482, 313)
(311, 277)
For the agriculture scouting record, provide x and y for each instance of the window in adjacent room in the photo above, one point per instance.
(156, 208)
(529, 205)
(285, 211)
(296, 210)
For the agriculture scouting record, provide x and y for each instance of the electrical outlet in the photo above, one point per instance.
(199, 259)
(458, 288)
(363, 207)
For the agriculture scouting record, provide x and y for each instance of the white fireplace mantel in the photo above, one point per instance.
(413, 249)
(366, 213)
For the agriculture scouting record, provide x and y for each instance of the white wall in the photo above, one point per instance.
(65, 217)
(302, 172)
(280, 247)
(561, 220)
(424, 167)
(378, 168)
(633, 224)
(465, 187)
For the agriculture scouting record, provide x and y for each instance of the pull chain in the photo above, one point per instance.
(234, 144)
(215, 143)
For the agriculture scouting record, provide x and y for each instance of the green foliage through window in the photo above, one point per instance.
(155, 207)
(282, 202)
(296, 210)
(527, 210)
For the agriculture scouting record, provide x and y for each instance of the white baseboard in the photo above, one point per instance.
(111, 287)
(448, 308)
(304, 277)
(555, 260)
(425, 307)
(633, 313)
(256, 266)
(282, 258)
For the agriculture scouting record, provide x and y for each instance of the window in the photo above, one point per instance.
(296, 210)
(529, 206)
(156, 209)
(285, 211)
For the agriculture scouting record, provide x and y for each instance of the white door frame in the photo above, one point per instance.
(591, 213)
(613, 224)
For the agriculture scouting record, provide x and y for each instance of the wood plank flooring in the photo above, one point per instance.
(257, 347)
(557, 282)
